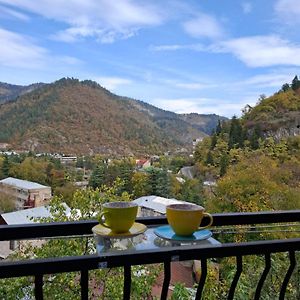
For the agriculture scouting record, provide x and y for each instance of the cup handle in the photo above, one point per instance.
(101, 221)
(210, 220)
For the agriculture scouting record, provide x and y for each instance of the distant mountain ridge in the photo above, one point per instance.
(202, 122)
(81, 117)
(10, 92)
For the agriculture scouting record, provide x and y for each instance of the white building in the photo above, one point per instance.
(68, 159)
(150, 206)
(27, 193)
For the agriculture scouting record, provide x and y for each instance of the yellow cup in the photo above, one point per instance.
(185, 219)
(118, 216)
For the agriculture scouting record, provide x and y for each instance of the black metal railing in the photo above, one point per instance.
(126, 259)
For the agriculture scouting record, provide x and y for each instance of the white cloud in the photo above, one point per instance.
(204, 26)
(272, 80)
(112, 83)
(194, 85)
(180, 105)
(262, 51)
(254, 51)
(203, 105)
(105, 20)
(195, 47)
(69, 60)
(20, 51)
(247, 7)
(6, 12)
(288, 11)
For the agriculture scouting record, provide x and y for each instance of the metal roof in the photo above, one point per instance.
(22, 184)
(156, 203)
(26, 216)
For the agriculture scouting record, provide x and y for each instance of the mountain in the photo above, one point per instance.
(277, 116)
(81, 117)
(10, 92)
(204, 123)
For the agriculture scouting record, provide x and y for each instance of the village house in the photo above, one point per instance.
(27, 194)
(143, 163)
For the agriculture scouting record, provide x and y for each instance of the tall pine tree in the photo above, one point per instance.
(219, 128)
(224, 162)
(98, 177)
(5, 167)
(255, 136)
(236, 134)
(295, 83)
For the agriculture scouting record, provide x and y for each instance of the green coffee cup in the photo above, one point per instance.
(118, 216)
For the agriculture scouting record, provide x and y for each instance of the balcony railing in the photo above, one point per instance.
(127, 259)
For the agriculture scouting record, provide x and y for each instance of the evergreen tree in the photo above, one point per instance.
(219, 128)
(162, 184)
(98, 176)
(236, 134)
(285, 87)
(126, 173)
(80, 162)
(5, 167)
(159, 182)
(209, 159)
(214, 140)
(224, 162)
(295, 83)
(256, 135)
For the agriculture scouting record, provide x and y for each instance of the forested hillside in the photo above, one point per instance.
(280, 112)
(10, 92)
(255, 168)
(81, 117)
(205, 123)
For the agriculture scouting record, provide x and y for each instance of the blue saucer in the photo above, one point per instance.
(166, 232)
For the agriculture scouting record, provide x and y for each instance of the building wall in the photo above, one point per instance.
(40, 196)
(146, 212)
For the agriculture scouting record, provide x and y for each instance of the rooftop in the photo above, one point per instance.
(157, 203)
(26, 216)
(22, 184)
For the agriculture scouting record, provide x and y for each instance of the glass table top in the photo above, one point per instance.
(146, 241)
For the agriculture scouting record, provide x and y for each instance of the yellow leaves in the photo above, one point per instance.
(254, 184)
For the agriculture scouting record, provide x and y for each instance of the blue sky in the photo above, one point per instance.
(209, 56)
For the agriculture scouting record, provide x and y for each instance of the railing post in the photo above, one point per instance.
(202, 279)
(167, 277)
(263, 276)
(288, 274)
(84, 282)
(239, 269)
(127, 282)
(38, 287)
